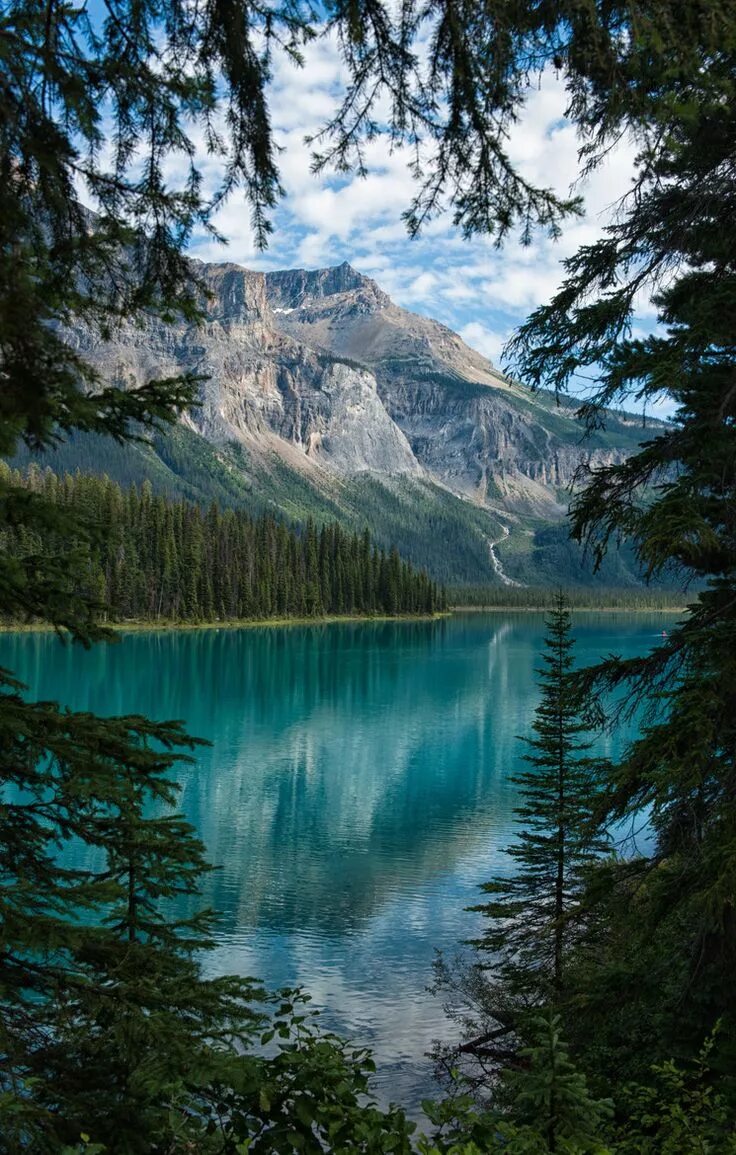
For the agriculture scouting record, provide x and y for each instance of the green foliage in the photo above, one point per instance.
(538, 598)
(145, 558)
(433, 528)
(312, 1095)
(674, 501)
(104, 1012)
(533, 911)
(536, 914)
(543, 1106)
(552, 1108)
(679, 1110)
(667, 935)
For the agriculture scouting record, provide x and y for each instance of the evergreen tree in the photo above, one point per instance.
(66, 780)
(134, 1035)
(187, 557)
(543, 1106)
(675, 502)
(551, 1107)
(533, 911)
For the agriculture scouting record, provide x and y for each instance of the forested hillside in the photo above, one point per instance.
(147, 558)
(431, 527)
(434, 529)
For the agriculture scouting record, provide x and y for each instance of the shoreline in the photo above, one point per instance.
(137, 627)
(500, 609)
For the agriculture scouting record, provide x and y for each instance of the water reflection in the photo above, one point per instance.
(355, 794)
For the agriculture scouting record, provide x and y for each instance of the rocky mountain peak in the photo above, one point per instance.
(234, 294)
(290, 289)
(322, 369)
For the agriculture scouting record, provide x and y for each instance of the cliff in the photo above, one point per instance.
(316, 383)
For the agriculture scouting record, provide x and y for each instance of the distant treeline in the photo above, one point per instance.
(596, 597)
(148, 558)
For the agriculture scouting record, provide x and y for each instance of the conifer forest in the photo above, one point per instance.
(144, 558)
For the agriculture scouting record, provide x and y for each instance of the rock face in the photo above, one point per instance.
(341, 310)
(322, 368)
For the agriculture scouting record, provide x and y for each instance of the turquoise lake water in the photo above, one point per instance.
(355, 794)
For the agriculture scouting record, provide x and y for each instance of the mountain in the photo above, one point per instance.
(322, 397)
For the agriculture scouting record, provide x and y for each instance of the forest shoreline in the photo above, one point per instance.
(602, 609)
(137, 627)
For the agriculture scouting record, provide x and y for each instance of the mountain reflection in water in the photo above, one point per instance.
(355, 793)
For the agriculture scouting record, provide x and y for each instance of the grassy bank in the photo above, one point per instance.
(471, 600)
(161, 624)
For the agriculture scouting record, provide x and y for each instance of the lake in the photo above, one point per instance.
(355, 794)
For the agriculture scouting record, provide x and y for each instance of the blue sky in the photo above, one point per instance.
(481, 292)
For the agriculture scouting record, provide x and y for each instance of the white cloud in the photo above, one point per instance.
(481, 291)
(486, 341)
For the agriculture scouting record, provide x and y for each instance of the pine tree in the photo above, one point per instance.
(551, 1109)
(132, 1023)
(65, 775)
(187, 557)
(534, 912)
(674, 501)
(542, 1106)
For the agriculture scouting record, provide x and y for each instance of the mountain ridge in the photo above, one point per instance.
(317, 377)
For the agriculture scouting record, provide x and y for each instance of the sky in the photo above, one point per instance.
(481, 292)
